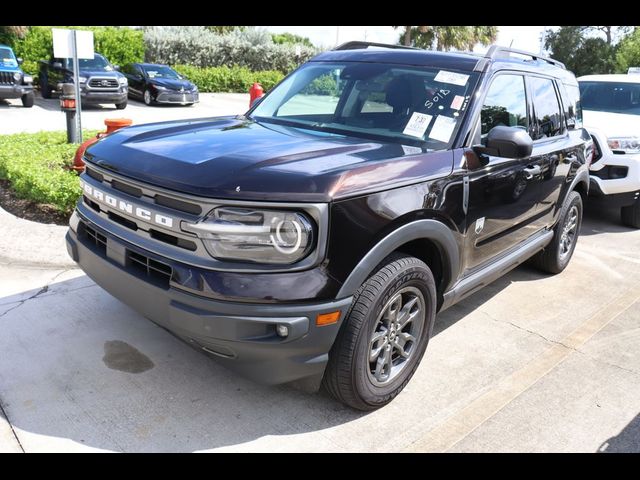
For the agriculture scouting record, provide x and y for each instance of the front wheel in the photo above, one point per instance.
(631, 215)
(384, 335)
(28, 99)
(147, 97)
(121, 106)
(555, 257)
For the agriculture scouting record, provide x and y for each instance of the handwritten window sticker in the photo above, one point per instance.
(456, 104)
(442, 128)
(451, 77)
(417, 124)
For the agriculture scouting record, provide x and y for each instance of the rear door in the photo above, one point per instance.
(503, 192)
(554, 149)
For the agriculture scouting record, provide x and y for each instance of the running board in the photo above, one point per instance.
(495, 270)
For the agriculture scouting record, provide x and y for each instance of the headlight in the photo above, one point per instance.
(82, 79)
(123, 80)
(626, 144)
(160, 87)
(27, 79)
(261, 236)
(17, 76)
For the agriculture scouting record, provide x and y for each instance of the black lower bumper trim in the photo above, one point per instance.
(242, 336)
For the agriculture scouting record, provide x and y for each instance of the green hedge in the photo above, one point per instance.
(120, 45)
(35, 164)
(228, 79)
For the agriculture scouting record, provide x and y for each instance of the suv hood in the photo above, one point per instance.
(98, 73)
(235, 158)
(612, 124)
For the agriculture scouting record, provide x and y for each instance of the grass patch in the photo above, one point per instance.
(36, 165)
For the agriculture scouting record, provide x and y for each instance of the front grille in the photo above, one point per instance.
(153, 269)
(6, 78)
(128, 189)
(103, 83)
(93, 174)
(186, 207)
(99, 240)
(176, 97)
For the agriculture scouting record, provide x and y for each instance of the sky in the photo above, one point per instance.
(524, 38)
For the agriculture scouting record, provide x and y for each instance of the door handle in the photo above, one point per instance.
(530, 172)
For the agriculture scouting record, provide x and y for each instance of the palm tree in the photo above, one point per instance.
(447, 37)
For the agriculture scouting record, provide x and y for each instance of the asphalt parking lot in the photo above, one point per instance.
(531, 363)
(46, 114)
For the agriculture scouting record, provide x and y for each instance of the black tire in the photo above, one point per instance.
(121, 106)
(556, 256)
(45, 89)
(147, 98)
(28, 99)
(631, 215)
(348, 376)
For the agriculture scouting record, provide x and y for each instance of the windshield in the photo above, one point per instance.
(7, 58)
(615, 97)
(397, 103)
(98, 62)
(158, 71)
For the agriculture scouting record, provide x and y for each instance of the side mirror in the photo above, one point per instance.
(138, 76)
(116, 68)
(19, 60)
(56, 65)
(506, 142)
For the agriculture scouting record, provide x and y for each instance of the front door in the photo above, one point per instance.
(503, 192)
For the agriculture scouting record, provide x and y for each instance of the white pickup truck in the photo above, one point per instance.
(611, 111)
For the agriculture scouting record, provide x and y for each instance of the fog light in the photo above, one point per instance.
(282, 330)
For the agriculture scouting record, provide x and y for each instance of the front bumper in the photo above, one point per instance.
(94, 97)
(241, 335)
(14, 91)
(178, 98)
(612, 173)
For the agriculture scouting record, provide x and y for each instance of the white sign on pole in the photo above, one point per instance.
(63, 43)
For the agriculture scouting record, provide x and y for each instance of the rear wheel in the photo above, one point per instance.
(631, 215)
(384, 335)
(555, 257)
(28, 99)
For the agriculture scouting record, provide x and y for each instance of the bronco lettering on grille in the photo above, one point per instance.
(127, 207)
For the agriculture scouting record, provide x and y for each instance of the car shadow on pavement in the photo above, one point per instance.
(53, 104)
(598, 219)
(627, 441)
(83, 369)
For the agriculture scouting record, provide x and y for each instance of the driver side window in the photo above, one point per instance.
(505, 104)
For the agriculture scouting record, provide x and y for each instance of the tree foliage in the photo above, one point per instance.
(290, 38)
(581, 51)
(447, 37)
(223, 30)
(628, 54)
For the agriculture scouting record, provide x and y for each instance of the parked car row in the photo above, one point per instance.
(14, 83)
(102, 82)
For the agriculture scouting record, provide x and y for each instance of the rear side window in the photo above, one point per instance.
(575, 105)
(547, 109)
(505, 104)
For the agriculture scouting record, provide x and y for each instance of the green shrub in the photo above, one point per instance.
(120, 45)
(194, 45)
(35, 164)
(228, 79)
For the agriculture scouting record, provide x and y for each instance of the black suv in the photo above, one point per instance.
(317, 235)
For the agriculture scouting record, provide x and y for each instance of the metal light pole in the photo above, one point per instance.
(76, 82)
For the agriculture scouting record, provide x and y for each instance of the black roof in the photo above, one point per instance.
(457, 61)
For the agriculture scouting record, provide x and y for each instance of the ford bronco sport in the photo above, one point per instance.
(317, 235)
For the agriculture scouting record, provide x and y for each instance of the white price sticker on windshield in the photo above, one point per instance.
(451, 77)
(442, 128)
(417, 125)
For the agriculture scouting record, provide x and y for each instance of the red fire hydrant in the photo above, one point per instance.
(112, 124)
(255, 92)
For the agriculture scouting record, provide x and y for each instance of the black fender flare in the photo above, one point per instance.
(429, 229)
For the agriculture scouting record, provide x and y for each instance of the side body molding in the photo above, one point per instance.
(432, 230)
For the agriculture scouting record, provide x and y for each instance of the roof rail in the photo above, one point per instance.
(359, 44)
(497, 50)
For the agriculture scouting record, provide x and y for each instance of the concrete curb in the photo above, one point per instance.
(32, 244)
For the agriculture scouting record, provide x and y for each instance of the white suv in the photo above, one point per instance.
(611, 111)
